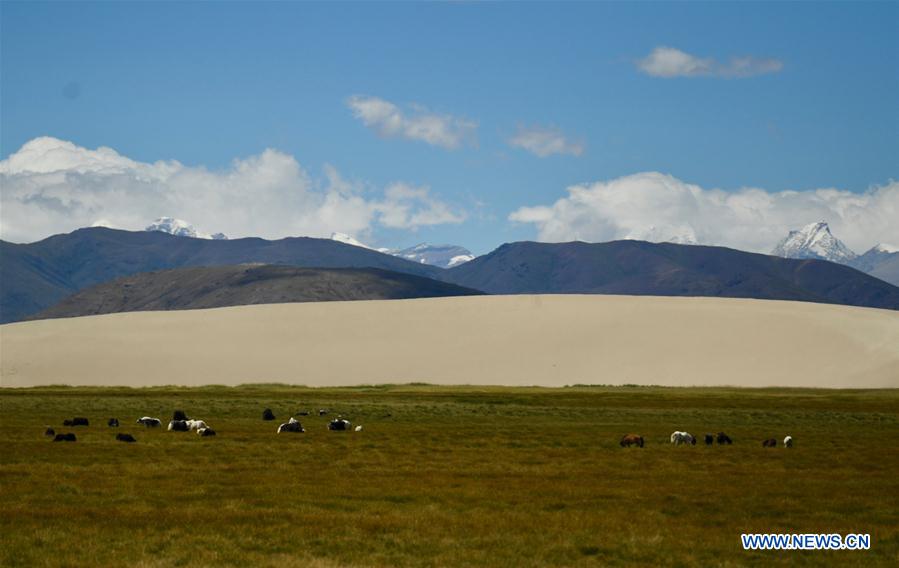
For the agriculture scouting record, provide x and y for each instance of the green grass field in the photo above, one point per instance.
(445, 477)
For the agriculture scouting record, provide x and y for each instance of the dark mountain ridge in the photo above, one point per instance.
(667, 269)
(37, 275)
(221, 286)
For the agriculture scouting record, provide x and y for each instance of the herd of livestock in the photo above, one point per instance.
(182, 423)
(679, 438)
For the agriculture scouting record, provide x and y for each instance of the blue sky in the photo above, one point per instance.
(208, 83)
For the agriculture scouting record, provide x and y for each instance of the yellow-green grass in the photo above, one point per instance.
(453, 476)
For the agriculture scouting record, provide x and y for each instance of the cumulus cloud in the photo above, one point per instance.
(658, 207)
(52, 186)
(389, 121)
(669, 62)
(545, 141)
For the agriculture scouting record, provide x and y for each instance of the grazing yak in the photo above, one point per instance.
(178, 426)
(125, 438)
(709, 439)
(267, 414)
(769, 443)
(179, 415)
(196, 424)
(113, 423)
(292, 425)
(76, 422)
(724, 439)
(49, 432)
(150, 422)
(631, 440)
(788, 442)
(70, 437)
(339, 425)
(205, 432)
(678, 438)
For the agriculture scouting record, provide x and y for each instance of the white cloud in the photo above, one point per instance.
(51, 186)
(658, 207)
(669, 62)
(389, 121)
(545, 141)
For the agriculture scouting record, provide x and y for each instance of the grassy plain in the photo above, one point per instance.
(445, 476)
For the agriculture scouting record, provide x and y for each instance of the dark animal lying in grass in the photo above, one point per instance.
(724, 439)
(291, 425)
(631, 440)
(70, 437)
(709, 439)
(302, 413)
(113, 423)
(179, 415)
(769, 443)
(339, 424)
(323, 411)
(179, 426)
(150, 422)
(267, 414)
(125, 438)
(205, 432)
(76, 422)
(49, 432)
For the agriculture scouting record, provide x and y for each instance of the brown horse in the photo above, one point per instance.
(631, 440)
(769, 443)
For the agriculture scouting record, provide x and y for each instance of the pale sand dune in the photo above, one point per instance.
(499, 340)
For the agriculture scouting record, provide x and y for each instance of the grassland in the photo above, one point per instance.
(445, 476)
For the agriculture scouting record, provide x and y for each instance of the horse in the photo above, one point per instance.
(631, 440)
(678, 438)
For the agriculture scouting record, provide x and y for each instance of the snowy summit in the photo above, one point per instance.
(814, 241)
(181, 228)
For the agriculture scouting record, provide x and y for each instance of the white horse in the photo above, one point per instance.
(678, 438)
(788, 442)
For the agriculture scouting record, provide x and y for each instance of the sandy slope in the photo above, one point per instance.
(509, 340)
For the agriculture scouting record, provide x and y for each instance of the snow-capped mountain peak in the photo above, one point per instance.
(444, 256)
(814, 241)
(181, 228)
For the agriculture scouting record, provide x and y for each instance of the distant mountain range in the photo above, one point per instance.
(219, 286)
(816, 241)
(667, 269)
(38, 275)
(444, 256)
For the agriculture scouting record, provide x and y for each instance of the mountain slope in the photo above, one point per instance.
(220, 286)
(814, 241)
(666, 269)
(38, 275)
(881, 261)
